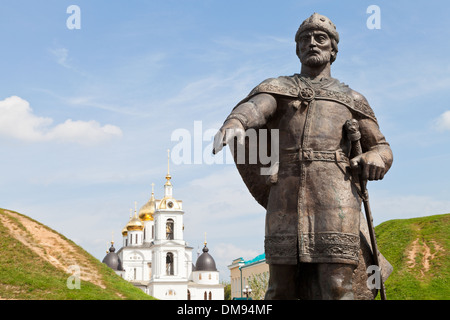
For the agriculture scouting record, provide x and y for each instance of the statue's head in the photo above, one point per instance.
(317, 41)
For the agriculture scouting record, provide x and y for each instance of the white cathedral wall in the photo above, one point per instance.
(169, 291)
(179, 291)
(148, 226)
(198, 293)
(138, 260)
(135, 238)
(178, 227)
(188, 262)
(206, 277)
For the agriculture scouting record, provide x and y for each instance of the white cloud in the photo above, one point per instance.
(18, 121)
(83, 132)
(61, 55)
(443, 122)
(62, 58)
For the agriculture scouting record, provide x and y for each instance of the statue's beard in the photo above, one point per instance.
(317, 60)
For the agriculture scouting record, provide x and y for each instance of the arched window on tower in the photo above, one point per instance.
(169, 229)
(169, 264)
(210, 295)
(188, 295)
(205, 296)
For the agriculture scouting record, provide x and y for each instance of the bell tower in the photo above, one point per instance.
(171, 258)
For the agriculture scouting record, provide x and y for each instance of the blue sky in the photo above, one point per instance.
(86, 116)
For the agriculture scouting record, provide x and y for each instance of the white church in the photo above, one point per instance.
(155, 257)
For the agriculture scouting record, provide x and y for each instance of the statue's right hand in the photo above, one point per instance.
(230, 129)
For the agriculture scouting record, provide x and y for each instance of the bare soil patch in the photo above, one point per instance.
(51, 247)
(425, 251)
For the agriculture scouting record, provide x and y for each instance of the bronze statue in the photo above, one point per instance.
(315, 240)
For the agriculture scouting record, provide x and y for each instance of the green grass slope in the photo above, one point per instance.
(26, 275)
(418, 250)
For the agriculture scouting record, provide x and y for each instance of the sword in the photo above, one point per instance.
(354, 135)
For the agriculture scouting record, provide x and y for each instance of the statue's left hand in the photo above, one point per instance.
(371, 164)
(232, 128)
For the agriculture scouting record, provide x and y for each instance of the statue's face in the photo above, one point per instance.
(314, 48)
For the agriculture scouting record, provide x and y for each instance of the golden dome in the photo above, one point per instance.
(148, 209)
(124, 231)
(135, 224)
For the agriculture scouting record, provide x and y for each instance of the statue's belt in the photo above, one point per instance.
(306, 155)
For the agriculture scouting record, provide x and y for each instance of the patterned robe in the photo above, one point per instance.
(313, 208)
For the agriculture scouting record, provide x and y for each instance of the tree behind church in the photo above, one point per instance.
(258, 283)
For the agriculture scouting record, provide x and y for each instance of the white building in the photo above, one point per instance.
(155, 257)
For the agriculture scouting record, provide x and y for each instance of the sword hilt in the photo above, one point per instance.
(354, 135)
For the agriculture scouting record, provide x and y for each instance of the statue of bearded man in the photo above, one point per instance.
(313, 218)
